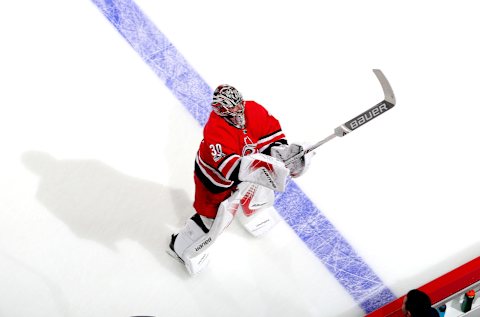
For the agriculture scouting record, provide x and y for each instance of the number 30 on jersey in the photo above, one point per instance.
(217, 152)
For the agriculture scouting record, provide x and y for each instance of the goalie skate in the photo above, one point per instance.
(170, 251)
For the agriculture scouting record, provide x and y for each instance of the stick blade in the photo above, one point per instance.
(387, 89)
(383, 106)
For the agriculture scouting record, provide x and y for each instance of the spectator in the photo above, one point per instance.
(418, 304)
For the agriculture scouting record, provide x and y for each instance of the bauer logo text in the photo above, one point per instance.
(203, 244)
(367, 116)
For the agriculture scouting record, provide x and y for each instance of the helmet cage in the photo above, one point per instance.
(228, 103)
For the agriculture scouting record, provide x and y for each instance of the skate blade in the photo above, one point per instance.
(175, 256)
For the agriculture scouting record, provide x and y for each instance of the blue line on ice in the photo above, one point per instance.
(296, 208)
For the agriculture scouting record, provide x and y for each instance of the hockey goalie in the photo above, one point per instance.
(238, 166)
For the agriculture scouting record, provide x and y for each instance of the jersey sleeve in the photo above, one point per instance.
(217, 160)
(271, 133)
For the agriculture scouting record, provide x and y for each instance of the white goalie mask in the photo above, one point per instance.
(228, 103)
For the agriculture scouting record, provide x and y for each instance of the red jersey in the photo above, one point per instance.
(218, 159)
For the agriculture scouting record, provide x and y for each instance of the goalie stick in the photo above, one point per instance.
(358, 121)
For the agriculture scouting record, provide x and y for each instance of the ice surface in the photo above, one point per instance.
(97, 154)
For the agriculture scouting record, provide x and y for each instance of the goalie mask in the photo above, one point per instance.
(228, 103)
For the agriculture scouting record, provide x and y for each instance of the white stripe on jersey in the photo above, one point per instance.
(269, 138)
(225, 163)
(234, 166)
(210, 172)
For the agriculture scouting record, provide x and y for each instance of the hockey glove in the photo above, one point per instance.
(284, 152)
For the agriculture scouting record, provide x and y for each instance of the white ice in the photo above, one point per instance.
(96, 155)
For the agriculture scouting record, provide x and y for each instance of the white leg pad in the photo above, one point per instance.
(196, 252)
(197, 263)
(257, 214)
(186, 237)
(262, 221)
